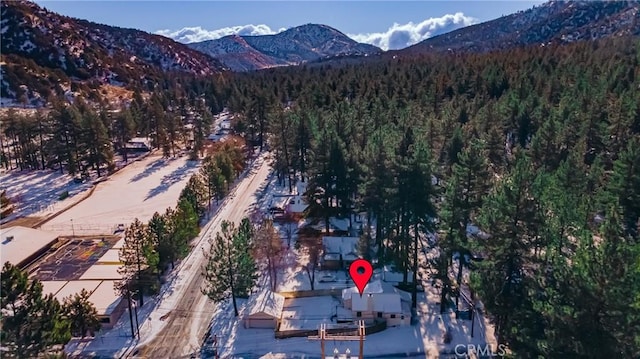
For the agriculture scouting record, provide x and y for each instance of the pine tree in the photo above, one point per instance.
(184, 225)
(124, 131)
(195, 193)
(82, 314)
(31, 324)
(98, 142)
(587, 295)
(139, 259)
(511, 216)
(230, 269)
(625, 186)
(467, 187)
(159, 233)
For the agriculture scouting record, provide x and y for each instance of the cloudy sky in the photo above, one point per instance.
(386, 24)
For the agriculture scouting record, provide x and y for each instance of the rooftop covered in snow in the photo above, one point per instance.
(21, 245)
(345, 246)
(265, 302)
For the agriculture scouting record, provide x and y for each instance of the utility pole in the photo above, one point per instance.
(215, 346)
(361, 332)
(133, 335)
(135, 309)
(322, 336)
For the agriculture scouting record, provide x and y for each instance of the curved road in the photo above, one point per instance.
(187, 322)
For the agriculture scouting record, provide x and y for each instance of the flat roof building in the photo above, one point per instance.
(112, 256)
(102, 272)
(74, 287)
(103, 296)
(22, 245)
(108, 303)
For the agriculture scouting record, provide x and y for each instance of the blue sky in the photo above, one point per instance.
(383, 23)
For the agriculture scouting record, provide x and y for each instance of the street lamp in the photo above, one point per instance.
(72, 229)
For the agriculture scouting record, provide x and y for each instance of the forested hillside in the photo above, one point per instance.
(46, 55)
(539, 147)
(80, 137)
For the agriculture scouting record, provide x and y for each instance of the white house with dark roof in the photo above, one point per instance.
(379, 301)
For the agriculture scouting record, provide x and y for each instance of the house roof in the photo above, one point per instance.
(389, 274)
(384, 297)
(347, 246)
(297, 205)
(19, 243)
(265, 302)
(387, 303)
(372, 287)
(360, 304)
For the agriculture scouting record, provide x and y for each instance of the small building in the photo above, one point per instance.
(379, 301)
(339, 252)
(138, 144)
(21, 246)
(296, 206)
(102, 294)
(109, 304)
(264, 309)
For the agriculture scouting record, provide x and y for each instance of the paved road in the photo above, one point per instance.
(187, 322)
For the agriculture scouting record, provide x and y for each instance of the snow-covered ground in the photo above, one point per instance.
(296, 314)
(153, 316)
(424, 339)
(136, 191)
(36, 193)
(234, 208)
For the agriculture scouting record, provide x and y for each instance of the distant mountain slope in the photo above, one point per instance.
(554, 21)
(234, 52)
(42, 50)
(299, 44)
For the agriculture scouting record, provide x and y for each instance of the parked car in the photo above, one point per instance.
(119, 228)
(327, 278)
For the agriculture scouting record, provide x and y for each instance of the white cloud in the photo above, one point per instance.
(400, 36)
(396, 37)
(196, 34)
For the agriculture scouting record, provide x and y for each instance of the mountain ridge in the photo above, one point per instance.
(48, 53)
(554, 21)
(308, 42)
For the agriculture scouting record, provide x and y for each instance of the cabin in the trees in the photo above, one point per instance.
(339, 252)
(380, 301)
(139, 144)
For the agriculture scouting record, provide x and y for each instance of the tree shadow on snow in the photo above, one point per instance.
(169, 180)
(150, 169)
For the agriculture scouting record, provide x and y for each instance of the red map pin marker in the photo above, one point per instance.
(360, 271)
